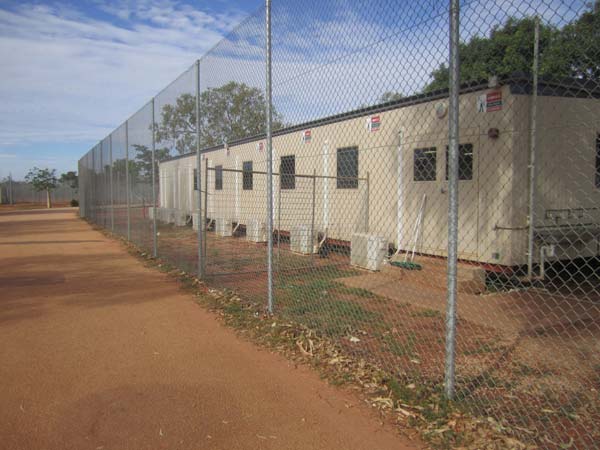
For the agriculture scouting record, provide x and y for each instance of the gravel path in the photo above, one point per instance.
(98, 352)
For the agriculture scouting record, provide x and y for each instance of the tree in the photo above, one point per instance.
(232, 111)
(508, 49)
(119, 166)
(70, 179)
(572, 51)
(143, 158)
(576, 51)
(43, 180)
(390, 96)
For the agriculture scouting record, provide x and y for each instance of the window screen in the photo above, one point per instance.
(465, 162)
(347, 168)
(425, 164)
(598, 161)
(195, 179)
(247, 176)
(218, 178)
(287, 170)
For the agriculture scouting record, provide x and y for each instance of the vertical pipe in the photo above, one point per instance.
(237, 190)
(453, 138)
(279, 222)
(532, 150)
(154, 224)
(269, 160)
(400, 196)
(112, 202)
(127, 194)
(367, 203)
(201, 222)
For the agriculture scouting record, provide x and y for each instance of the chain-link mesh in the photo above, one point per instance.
(13, 192)
(360, 193)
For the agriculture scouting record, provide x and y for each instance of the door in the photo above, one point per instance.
(424, 199)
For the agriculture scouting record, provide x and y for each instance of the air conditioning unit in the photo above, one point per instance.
(181, 218)
(256, 231)
(367, 251)
(195, 220)
(300, 240)
(175, 216)
(169, 215)
(223, 227)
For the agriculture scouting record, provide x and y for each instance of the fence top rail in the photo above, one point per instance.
(297, 175)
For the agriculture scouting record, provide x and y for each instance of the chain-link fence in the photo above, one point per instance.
(368, 162)
(19, 192)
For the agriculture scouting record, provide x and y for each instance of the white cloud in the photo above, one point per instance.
(68, 77)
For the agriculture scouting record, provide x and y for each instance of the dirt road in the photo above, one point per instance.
(98, 352)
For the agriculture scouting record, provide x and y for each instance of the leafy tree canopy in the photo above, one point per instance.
(571, 51)
(232, 111)
(70, 179)
(143, 160)
(390, 96)
(42, 179)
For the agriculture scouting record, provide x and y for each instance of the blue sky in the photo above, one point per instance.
(74, 70)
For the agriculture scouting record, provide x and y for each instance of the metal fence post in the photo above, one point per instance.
(204, 214)
(112, 204)
(269, 160)
(453, 138)
(127, 194)
(314, 201)
(154, 226)
(532, 150)
(198, 177)
(10, 191)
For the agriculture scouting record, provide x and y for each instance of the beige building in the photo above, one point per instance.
(382, 170)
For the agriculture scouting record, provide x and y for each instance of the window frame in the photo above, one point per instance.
(461, 147)
(287, 180)
(247, 176)
(219, 178)
(347, 181)
(195, 179)
(424, 151)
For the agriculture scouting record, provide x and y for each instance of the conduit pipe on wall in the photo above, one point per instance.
(400, 195)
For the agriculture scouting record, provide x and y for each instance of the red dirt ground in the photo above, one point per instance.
(99, 352)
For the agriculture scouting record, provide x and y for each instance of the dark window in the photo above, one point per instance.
(247, 176)
(195, 179)
(347, 168)
(598, 161)
(287, 171)
(425, 164)
(218, 178)
(465, 162)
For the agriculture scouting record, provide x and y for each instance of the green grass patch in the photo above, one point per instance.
(426, 313)
(400, 345)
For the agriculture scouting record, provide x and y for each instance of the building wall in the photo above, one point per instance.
(493, 204)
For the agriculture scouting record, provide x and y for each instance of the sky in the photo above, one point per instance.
(72, 71)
